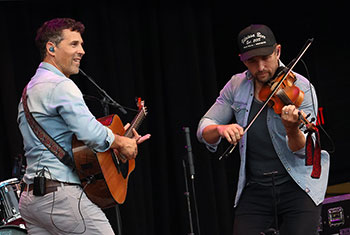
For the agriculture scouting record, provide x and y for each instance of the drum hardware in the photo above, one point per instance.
(11, 221)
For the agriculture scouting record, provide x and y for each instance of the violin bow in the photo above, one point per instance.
(290, 66)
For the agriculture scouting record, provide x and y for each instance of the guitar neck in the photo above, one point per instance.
(135, 124)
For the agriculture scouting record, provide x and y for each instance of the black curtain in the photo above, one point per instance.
(176, 57)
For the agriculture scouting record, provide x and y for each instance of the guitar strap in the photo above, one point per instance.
(44, 137)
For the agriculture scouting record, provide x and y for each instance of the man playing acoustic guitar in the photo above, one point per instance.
(57, 104)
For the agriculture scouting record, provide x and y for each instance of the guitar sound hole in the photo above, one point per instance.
(124, 168)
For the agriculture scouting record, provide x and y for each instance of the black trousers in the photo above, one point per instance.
(255, 212)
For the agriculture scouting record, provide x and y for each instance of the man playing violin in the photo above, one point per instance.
(275, 190)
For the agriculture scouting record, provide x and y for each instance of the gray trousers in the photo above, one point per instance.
(62, 212)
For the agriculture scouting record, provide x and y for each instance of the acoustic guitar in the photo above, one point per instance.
(103, 177)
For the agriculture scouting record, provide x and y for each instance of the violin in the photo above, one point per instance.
(287, 93)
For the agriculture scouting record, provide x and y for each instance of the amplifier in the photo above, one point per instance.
(335, 216)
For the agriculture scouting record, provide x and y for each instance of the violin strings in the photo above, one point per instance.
(284, 97)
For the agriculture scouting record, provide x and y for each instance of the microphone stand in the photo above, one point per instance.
(188, 199)
(192, 174)
(273, 231)
(107, 100)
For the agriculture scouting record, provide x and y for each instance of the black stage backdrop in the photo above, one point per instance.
(177, 57)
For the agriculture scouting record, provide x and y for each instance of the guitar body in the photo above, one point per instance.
(108, 179)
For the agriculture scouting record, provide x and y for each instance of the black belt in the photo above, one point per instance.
(51, 185)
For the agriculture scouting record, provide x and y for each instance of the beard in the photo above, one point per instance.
(263, 76)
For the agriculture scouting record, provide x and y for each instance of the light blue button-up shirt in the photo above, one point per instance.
(235, 100)
(58, 106)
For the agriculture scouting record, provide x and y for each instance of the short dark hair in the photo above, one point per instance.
(51, 31)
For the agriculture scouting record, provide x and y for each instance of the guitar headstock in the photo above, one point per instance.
(141, 105)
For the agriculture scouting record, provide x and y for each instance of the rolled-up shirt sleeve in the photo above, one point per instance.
(204, 122)
(220, 113)
(68, 100)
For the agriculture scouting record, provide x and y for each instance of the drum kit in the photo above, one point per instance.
(11, 222)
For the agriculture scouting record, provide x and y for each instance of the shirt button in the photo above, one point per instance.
(288, 169)
(307, 190)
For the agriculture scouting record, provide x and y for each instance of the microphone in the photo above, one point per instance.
(189, 151)
(106, 96)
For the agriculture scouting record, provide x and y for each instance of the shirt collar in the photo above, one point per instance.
(50, 67)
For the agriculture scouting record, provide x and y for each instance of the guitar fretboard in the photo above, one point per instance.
(135, 124)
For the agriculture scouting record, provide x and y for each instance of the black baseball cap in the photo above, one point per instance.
(255, 40)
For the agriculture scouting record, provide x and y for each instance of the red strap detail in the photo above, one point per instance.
(309, 150)
(316, 170)
(313, 153)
